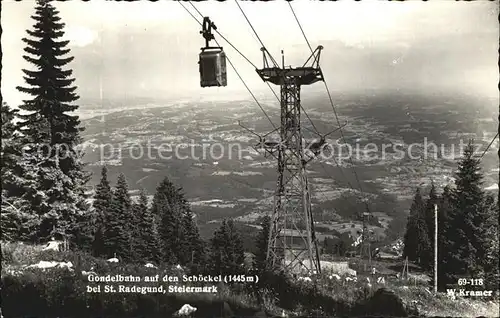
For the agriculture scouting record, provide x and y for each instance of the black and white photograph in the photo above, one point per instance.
(250, 158)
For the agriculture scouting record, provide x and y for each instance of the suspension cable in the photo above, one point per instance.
(487, 148)
(343, 175)
(302, 108)
(301, 29)
(234, 68)
(255, 32)
(217, 31)
(272, 90)
(273, 60)
(305, 113)
(270, 87)
(331, 102)
(225, 39)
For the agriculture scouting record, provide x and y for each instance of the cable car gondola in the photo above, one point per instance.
(212, 59)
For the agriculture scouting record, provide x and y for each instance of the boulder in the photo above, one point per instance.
(52, 264)
(85, 273)
(185, 310)
(54, 246)
(386, 303)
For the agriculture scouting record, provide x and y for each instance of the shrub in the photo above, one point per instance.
(60, 292)
(16, 253)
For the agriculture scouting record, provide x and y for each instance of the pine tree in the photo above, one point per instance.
(168, 208)
(428, 253)
(52, 165)
(260, 261)
(416, 239)
(18, 223)
(444, 209)
(410, 237)
(102, 204)
(147, 238)
(467, 244)
(117, 236)
(227, 249)
(424, 248)
(11, 215)
(10, 151)
(492, 262)
(218, 255)
(236, 246)
(193, 244)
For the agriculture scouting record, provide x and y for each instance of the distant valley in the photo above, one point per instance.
(243, 188)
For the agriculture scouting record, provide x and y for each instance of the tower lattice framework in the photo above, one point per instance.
(292, 242)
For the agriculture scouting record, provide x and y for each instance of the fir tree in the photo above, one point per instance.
(444, 209)
(416, 239)
(84, 231)
(147, 238)
(467, 244)
(236, 246)
(227, 249)
(428, 253)
(492, 263)
(410, 239)
(102, 204)
(11, 216)
(194, 249)
(117, 235)
(168, 208)
(50, 85)
(10, 151)
(56, 208)
(52, 165)
(260, 261)
(218, 251)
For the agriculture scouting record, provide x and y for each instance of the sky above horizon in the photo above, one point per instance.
(150, 49)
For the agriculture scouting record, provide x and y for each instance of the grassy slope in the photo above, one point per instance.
(414, 294)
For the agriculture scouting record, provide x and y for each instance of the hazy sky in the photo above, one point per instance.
(151, 48)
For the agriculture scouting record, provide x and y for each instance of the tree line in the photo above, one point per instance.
(467, 227)
(164, 231)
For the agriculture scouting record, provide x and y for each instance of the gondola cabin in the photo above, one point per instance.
(212, 67)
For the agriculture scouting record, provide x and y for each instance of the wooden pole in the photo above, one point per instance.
(435, 248)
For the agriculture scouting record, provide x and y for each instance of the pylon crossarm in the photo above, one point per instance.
(337, 129)
(249, 130)
(315, 62)
(262, 143)
(316, 146)
(265, 54)
(272, 131)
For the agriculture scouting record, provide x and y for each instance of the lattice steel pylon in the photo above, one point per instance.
(365, 246)
(292, 217)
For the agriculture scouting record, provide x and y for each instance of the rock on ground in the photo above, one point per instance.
(386, 303)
